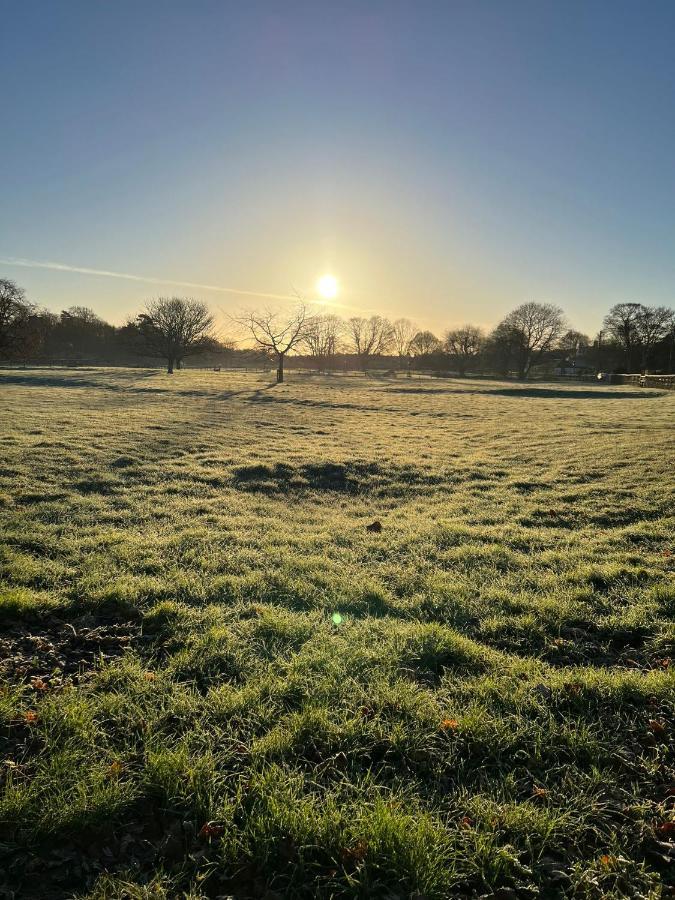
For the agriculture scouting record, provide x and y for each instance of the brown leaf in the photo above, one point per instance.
(356, 853)
(449, 724)
(30, 716)
(211, 830)
(658, 729)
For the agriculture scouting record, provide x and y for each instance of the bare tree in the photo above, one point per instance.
(572, 343)
(322, 339)
(403, 331)
(370, 337)
(533, 329)
(620, 324)
(464, 345)
(424, 343)
(653, 324)
(15, 316)
(277, 334)
(175, 327)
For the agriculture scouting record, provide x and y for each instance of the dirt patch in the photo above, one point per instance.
(51, 652)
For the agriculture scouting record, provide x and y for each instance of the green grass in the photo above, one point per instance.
(489, 715)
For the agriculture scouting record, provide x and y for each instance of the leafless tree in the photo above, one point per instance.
(424, 343)
(572, 343)
(534, 329)
(654, 324)
(322, 339)
(370, 337)
(175, 327)
(277, 334)
(403, 332)
(15, 316)
(464, 345)
(620, 325)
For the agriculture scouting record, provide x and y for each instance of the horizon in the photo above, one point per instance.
(444, 162)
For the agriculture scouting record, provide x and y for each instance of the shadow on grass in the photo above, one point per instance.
(546, 393)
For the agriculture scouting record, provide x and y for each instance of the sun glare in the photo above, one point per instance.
(327, 286)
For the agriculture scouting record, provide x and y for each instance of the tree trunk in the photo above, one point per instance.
(280, 369)
(169, 366)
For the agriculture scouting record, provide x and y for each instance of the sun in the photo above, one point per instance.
(327, 286)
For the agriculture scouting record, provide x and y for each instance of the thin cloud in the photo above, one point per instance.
(83, 270)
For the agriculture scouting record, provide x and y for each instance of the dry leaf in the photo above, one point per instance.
(658, 729)
(355, 853)
(211, 830)
(449, 724)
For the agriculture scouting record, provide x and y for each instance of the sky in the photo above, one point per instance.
(445, 161)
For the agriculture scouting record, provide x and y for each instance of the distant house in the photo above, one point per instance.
(574, 367)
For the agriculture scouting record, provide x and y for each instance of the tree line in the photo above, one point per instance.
(533, 337)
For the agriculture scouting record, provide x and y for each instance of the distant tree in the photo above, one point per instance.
(173, 328)
(533, 329)
(621, 326)
(653, 324)
(500, 349)
(322, 338)
(464, 345)
(15, 316)
(572, 343)
(370, 337)
(403, 331)
(277, 334)
(424, 343)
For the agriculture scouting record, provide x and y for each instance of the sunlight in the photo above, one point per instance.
(327, 286)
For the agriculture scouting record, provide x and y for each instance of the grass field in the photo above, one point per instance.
(218, 683)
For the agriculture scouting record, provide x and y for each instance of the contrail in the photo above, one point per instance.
(83, 270)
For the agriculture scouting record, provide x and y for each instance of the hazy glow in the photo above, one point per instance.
(327, 286)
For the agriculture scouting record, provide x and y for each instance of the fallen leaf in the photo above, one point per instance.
(30, 716)
(115, 769)
(449, 724)
(466, 822)
(539, 792)
(149, 676)
(658, 729)
(665, 828)
(355, 853)
(38, 684)
(211, 830)
(606, 860)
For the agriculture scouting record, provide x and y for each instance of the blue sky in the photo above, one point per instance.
(445, 161)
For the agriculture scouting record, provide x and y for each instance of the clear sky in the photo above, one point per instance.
(444, 161)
